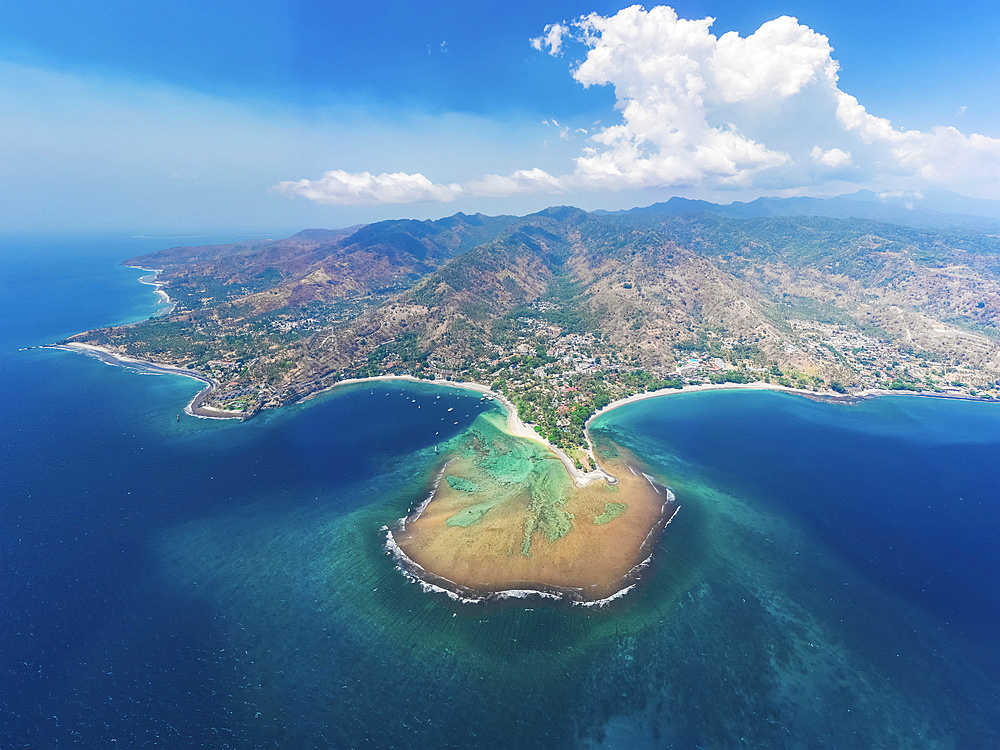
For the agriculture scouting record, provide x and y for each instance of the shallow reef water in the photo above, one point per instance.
(505, 519)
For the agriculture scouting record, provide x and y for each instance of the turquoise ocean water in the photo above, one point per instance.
(831, 580)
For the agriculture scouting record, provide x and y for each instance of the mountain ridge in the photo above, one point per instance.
(563, 309)
(941, 210)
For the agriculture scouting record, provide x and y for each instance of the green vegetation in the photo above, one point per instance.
(805, 308)
(546, 512)
(462, 485)
(611, 512)
(565, 311)
(730, 377)
(472, 514)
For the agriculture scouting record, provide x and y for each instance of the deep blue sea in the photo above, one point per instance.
(832, 578)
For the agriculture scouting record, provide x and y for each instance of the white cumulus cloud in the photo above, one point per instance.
(716, 112)
(550, 39)
(708, 113)
(944, 155)
(338, 187)
(674, 81)
(522, 181)
(776, 61)
(341, 188)
(833, 157)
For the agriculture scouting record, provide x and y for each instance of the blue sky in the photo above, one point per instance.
(176, 116)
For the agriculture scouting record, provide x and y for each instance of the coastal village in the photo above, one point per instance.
(559, 379)
(562, 327)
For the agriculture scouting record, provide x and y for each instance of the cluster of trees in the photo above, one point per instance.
(732, 376)
(273, 371)
(738, 353)
(154, 340)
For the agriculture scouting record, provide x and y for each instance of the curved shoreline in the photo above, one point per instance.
(194, 407)
(832, 396)
(411, 569)
(150, 280)
(821, 396)
(432, 582)
(514, 423)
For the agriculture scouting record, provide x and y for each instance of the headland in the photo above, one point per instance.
(194, 408)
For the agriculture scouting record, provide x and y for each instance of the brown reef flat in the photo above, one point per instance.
(505, 517)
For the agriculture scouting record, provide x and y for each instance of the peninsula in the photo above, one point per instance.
(563, 312)
(559, 315)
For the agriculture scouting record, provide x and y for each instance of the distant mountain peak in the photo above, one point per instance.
(927, 209)
(560, 213)
(319, 234)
